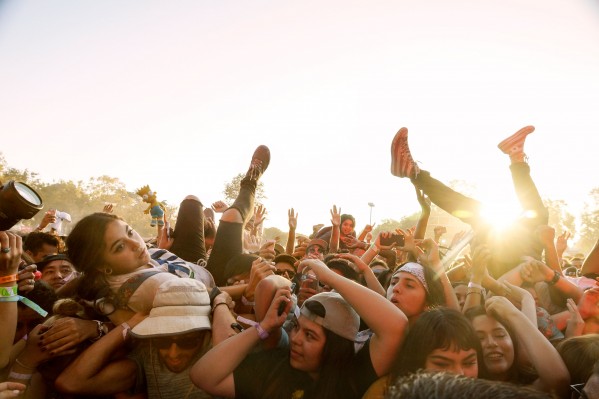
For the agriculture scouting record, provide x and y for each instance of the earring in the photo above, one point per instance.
(108, 271)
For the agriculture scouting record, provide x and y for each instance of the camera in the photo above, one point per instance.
(17, 201)
(394, 239)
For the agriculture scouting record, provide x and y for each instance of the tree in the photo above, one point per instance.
(589, 231)
(559, 218)
(232, 189)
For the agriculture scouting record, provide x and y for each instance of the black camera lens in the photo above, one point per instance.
(17, 201)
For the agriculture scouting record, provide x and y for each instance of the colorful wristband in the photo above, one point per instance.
(262, 333)
(9, 279)
(19, 376)
(9, 294)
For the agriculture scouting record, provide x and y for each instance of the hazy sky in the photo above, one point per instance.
(178, 94)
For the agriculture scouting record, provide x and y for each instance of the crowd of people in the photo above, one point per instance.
(104, 313)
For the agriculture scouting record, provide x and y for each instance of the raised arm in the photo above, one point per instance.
(425, 205)
(430, 257)
(11, 249)
(94, 372)
(534, 271)
(369, 277)
(553, 374)
(292, 219)
(335, 231)
(213, 372)
(387, 322)
(546, 235)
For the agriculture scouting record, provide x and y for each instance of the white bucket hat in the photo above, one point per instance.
(181, 305)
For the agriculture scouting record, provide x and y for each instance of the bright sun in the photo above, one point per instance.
(500, 214)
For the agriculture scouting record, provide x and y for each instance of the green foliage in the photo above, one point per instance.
(559, 218)
(589, 231)
(231, 190)
(80, 199)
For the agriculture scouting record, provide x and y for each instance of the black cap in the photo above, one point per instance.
(49, 258)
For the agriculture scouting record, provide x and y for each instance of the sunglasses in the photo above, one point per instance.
(182, 343)
(290, 273)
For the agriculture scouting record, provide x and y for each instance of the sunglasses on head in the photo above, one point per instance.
(182, 343)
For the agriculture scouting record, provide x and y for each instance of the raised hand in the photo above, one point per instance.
(260, 269)
(423, 200)
(26, 278)
(292, 218)
(534, 271)
(336, 216)
(267, 250)
(219, 207)
(259, 215)
(561, 242)
(546, 234)
(575, 325)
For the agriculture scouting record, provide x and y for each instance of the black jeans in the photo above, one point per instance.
(508, 247)
(188, 242)
(229, 236)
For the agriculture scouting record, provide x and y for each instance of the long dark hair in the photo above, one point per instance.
(337, 353)
(516, 374)
(85, 249)
(435, 295)
(438, 328)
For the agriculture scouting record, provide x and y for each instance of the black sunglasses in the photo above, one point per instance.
(182, 343)
(290, 273)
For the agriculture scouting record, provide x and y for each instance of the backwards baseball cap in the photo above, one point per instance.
(180, 306)
(339, 316)
(51, 258)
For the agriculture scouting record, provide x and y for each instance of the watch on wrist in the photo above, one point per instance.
(556, 276)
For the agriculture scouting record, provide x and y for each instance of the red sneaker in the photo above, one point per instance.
(260, 161)
(515, 143)
(402, 163)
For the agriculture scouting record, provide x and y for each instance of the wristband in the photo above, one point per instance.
(9, 279)
(9, 294)
(474, 285)
(19, 376)
(375, 248)
(126, 329)
(262, 333)
(555, 278)
(245, 301)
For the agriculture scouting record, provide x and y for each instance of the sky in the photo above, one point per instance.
(177, 95)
